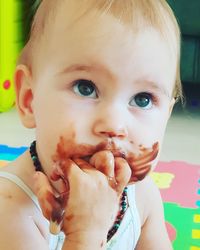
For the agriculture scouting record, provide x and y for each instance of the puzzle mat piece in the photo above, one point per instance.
(178, 182)
(8, 154)
(185, 226)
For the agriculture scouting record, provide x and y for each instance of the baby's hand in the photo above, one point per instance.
(91, 202)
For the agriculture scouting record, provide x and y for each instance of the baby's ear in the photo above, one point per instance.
(24, 95)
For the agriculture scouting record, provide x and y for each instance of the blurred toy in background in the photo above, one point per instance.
(11, 41)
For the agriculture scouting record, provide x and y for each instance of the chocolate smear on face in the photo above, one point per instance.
(139, 163)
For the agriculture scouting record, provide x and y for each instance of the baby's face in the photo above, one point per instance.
(98, 81)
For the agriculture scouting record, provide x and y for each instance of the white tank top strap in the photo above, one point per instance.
(15, 179)
(134, 212)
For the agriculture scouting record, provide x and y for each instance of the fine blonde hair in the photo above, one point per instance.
(134, 13)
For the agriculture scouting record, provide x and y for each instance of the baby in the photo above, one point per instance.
(98, 81)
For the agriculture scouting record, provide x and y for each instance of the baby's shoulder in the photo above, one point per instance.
(14, 201)
(19, 219)
(11, 197)
(147, 196)
(11, 207)
(18, 210)
(13, 186)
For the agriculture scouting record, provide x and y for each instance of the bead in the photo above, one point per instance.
(34, 158)
(123, 203)
(116, 226)
(118, 222)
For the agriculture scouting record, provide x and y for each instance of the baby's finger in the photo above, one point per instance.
(104, 162)
(68, 167)
(82, 164)
(122, 173)
(52, 206)
(72, 171)
(58, 176)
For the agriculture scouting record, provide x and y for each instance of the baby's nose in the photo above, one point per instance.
(109, 128)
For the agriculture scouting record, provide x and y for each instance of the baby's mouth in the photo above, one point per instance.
(87, 158)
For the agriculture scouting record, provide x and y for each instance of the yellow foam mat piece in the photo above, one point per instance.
(194, 248)
(196, 234)
(197, 218)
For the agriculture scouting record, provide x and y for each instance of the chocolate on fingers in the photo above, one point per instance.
(52, 206)
(116, 169)
(104, 161)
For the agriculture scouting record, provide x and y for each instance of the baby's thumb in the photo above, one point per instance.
(122, 173)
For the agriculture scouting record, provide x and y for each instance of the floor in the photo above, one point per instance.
(182, 140)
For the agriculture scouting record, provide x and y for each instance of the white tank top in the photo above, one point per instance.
(125, 238)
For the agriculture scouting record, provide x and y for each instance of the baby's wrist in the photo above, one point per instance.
(85, 241)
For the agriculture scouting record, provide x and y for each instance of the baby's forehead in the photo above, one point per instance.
(67, 15)
(67, 12)
(135, 14)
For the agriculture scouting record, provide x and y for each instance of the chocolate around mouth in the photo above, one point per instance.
(69, 149)
(140, 164)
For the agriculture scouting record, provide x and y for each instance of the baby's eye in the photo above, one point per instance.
(143, 100)
(85, 88)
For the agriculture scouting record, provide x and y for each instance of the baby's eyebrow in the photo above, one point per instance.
(94, 67)
(155, 86)
(78, 67)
